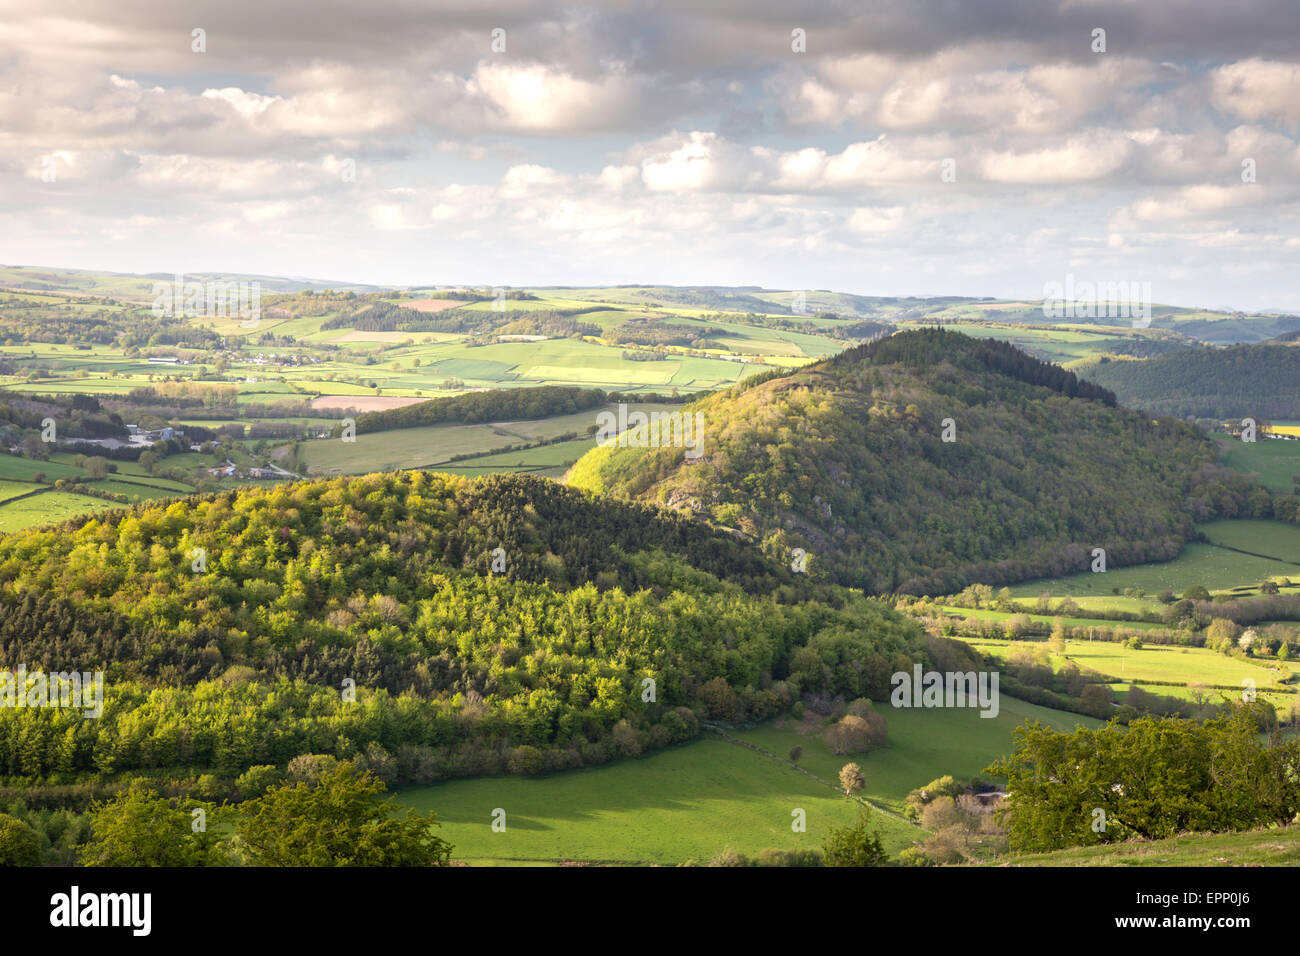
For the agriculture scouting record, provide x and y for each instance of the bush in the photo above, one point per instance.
(309, 768)
(854, 846)
(525, 760)
(254, 781)
(787, 858)
(19, 845)
(914, 856)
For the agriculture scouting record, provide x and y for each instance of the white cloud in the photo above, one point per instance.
(1256, 89)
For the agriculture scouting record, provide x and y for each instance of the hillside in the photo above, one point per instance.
(227, 624)
(845, 459)
(1268, 847)
(1243, 380)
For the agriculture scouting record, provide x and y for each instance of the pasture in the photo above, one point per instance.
(1214, 568)
(695, 800)
(690, 802)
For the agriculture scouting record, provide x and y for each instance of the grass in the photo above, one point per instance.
(923, 744)
(689, 802)
(545, 459)
(433, 445)
(698, 799)
(1213, 567)
(1187, 665)
(1271, 847)
(1273, 538)
(14, 468)
(1274, 461)
(48, 508)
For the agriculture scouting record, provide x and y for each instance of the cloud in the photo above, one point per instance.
(1258, 90)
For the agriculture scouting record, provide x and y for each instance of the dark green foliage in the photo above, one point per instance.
(492, 406)
(1258, 381)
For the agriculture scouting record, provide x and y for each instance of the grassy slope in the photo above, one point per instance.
(696, 800)
(689, 802)
(1272, 847)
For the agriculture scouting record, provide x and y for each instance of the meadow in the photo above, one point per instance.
(430, 445)
(1275, 461)
(1208, 565)
(693, 801)
(690, 802)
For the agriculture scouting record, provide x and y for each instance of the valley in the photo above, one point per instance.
(404, 489)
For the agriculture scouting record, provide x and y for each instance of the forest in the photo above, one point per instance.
(1205, 382)
(425, 625)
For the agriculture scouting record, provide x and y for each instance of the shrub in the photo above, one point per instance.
(525, 760)
(854, 846)
(19, 845)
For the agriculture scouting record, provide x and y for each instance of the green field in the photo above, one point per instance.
(689, 802)
(698, 799)
(1272, 538)
(1154, 662)
(1215, 568)
(1274, 461)
(48, 508)
(431, 445)
(550, 460)
(923, 744)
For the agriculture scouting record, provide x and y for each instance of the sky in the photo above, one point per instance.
(902, 147)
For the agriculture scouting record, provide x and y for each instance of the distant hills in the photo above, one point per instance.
(846, 459)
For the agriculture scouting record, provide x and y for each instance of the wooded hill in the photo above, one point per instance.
(846, 459)
(388, 581)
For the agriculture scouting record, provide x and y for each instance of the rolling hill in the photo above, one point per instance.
(846, 459)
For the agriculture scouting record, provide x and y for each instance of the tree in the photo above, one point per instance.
(851, 779)
(338, 822)
(19, 844)
(1154, 779)
(855, 845)
(255, 780)
(140, 828)
(854, 735)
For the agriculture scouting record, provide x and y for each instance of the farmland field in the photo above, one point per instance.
(430, 445)
(689, 802)
(698, 799)
(1214, 568)
(1153, 662)
(48, 508)
(1274, 461)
